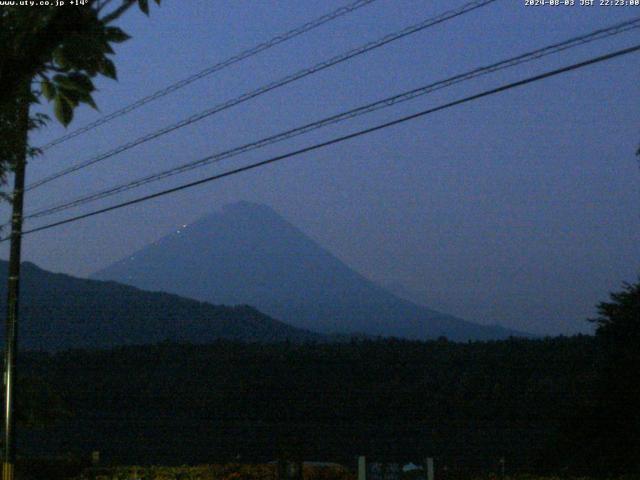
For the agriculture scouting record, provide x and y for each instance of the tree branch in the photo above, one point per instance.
(118, 12)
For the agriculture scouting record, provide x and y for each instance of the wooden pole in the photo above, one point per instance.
(13, 285)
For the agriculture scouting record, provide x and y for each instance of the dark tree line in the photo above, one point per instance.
(468, 404)
(548, 405)
(604, 436)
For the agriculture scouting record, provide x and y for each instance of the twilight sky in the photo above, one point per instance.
(519, 209)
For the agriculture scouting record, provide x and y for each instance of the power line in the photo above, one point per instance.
(278, 39)
(450, 14)
(336, 140)
(380, 104)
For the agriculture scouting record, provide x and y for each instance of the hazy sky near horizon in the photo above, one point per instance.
(519, 209)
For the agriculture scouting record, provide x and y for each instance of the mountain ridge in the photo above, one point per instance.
(58, 311)
(247, 253)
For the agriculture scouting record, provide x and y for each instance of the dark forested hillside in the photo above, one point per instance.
(60, 311)
(466, 404)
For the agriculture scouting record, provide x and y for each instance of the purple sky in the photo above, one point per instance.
(519, 209)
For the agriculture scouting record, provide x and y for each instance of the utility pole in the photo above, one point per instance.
(362, 468)
(429, 468)
(19, 157)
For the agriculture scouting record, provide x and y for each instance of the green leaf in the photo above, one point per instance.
(48, 90)
(144, 6)
(115, 35)
(82, 52)
(39, 120)
(59, 58)
(71, 96)
(106, 48)
(75, 81)
(83, 80)
(33, 97)
(63, 110)
(92, 69)
(85, 97)
(108, 69)
(91, 103)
